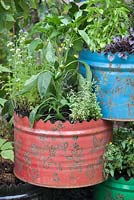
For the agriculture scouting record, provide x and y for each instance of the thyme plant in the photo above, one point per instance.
(83, 104)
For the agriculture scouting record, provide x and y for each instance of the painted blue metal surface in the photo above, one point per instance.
(115, 82)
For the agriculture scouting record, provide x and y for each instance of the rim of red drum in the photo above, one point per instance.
(48, 128)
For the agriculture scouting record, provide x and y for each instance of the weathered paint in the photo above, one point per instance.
(115, 82)
(60, 155)
(115, 190)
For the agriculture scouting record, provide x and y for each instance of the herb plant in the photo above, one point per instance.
(83, 104)
(105, 19)
(119, 155)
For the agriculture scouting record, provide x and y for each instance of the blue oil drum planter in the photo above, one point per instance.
(113, 189)
(115, 81)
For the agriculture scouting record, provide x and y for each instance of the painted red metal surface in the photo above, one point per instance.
(60, 155)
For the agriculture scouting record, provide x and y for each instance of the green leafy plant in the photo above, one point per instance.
(45, 70)
(119, 155)
(105, 19)
(6, 149)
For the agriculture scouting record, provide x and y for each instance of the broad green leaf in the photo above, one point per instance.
(7, 146)
(65, 21)
(78, 45)
(35, 45)
(88, 71)
(4, 69)
(81, 81)
(64, 102)
(24, 5)
(78, 14)
(8, 154)
(32, 116)
(44, 81)
(112, 173)
(54, 19)
(54, 34)
(34, 3)
(90, 19)
(48, 117)
(29, 84)
(50, 53)
(6, 7)
(101, 11)
(102, 44)
(31, 80)
(129, 172)
(8, 108)
(9, 18)
(123, 144)
(2, 141)
(2, 101)
(85, 36)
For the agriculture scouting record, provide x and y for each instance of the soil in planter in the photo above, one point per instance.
(66, 112)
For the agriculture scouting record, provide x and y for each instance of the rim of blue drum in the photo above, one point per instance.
(96, 59)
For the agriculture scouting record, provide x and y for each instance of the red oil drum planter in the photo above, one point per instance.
(60, 155)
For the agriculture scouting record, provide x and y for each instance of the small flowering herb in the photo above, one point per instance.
(83, 104)
(22, 66)
(122, 45)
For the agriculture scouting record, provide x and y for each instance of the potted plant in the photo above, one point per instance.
(10, 186)
(110, 56)
(118, 167)
(59, 137)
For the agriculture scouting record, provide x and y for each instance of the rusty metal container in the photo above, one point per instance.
(60, 155)
(115, 81)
